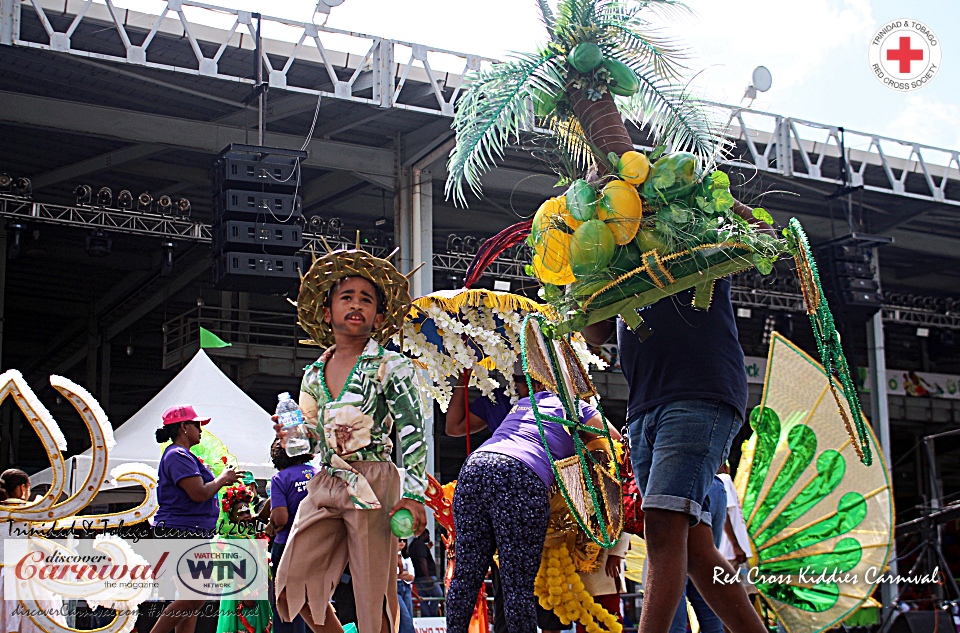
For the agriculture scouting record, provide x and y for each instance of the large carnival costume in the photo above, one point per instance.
(345, 516)
(632, 229)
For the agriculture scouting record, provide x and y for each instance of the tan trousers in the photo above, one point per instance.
(327, 533)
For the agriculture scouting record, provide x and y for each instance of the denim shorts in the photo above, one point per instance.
(676, 448)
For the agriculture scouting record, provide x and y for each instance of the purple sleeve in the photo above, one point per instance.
(278, 492)
(180, 466)
(587, 412)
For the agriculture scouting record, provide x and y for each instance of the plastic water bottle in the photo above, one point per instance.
(290, 416)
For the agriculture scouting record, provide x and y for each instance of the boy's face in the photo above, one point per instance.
(353, 308)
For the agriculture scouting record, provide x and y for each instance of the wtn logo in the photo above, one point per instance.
(226, 570)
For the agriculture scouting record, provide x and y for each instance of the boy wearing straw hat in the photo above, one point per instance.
(351, 303)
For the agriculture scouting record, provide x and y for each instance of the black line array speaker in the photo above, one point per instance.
(851, 281)
(257, 219)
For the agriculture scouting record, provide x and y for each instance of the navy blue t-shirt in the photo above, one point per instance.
(692, 354)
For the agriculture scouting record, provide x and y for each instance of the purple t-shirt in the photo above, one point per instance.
(287, 489)
(177, 509)
(518, 436)
(492, 412)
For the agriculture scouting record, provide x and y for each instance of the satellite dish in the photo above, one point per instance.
(762, 79)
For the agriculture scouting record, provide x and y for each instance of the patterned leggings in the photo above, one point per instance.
(499, 504)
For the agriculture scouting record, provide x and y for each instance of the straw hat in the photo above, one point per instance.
(355, 262)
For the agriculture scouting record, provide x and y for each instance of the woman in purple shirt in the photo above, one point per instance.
(502, 503)
(187, 493)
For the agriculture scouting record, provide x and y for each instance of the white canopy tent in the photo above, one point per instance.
(237, 420)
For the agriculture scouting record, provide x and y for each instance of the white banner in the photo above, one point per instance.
(110, 570)
(430, 625)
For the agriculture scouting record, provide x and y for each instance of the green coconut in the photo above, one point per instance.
(591, 248)
(585, 56)
(623, 81)
(581, 200)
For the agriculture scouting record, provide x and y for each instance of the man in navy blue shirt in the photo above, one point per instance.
(688, 396)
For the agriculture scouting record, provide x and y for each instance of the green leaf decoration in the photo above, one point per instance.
(656, 153)
(763, 264)
(664, 179)
(722, 200)
(763, 215)
(719, 180)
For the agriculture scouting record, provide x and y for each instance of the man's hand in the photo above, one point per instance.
(740, 557)
(417, 510)
(613, 566)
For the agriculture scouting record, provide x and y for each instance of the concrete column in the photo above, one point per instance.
(422, 232)
(403, 221)
(880, 417)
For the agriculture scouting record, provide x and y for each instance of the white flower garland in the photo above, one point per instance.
(460, 332)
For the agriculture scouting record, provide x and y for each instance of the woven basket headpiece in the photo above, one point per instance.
(327, 270)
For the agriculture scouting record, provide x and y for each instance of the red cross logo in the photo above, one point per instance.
(905, 54)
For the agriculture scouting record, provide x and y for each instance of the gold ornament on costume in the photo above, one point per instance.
(51, 512)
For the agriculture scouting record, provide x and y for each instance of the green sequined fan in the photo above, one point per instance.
(820, 521)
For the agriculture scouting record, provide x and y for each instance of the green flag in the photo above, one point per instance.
(210, 340)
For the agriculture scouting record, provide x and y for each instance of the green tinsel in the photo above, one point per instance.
(828, 339)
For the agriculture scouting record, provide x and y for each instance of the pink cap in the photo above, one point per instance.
(182, 413)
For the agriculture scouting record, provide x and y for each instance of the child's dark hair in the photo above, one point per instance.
(11, 479)
(381, 298)
(280, 458)
(168, 433)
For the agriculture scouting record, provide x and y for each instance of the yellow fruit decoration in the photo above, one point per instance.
(550, 214)
(551, 258)
(633, 167)
(621, 209)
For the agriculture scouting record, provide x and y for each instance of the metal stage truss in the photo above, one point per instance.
(141, 223)
(392, 74)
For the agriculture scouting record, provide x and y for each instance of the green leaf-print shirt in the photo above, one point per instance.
(382, 389)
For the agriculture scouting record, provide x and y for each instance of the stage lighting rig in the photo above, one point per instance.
(125, 200)
(22, 186)
(144, 200)
(83, 194)
(453, 243)
(334, 225)
(5, 182)
(316, 224)
(183, 208)
(165, 204)
(104, 197)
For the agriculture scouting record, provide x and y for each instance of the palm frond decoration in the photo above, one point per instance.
(597, 49)
(493, 110)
